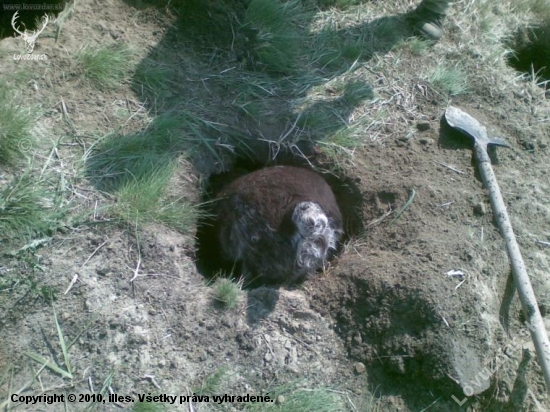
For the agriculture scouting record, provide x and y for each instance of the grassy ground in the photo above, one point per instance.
(324, 77)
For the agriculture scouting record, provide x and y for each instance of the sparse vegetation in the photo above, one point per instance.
(16, 123)
(276, 40)
(415, 45)
(227, 293)
(291, 398)
(23, 208)
(105, 66)
(449, 80)
(152, 75)
(145, 199)
(212, 384)
(64, 370)
(138, 169)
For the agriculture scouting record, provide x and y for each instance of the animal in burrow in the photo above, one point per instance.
(278, 224)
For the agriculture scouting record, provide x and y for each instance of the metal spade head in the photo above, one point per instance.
(462, 121)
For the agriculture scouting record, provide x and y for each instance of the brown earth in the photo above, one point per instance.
(140, 307)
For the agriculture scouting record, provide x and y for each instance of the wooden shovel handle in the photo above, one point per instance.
(531, 310)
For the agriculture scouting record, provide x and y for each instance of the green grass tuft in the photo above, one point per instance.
(116, 160)
(414, 45)
(300, 400)
(355, 92)
(15, 125)
(227, 293)
(23, 208)
(145, 199)
(152, 75)
(105, 66)
(276, 41)
(449, 80)
(139, 197)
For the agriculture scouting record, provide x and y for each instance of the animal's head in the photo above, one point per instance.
(316, 235)
(310, 219)
(29, 36)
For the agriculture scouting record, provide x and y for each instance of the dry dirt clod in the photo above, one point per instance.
(359, 368)
(480, 209)
(423, 126)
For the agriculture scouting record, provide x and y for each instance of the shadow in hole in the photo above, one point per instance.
(532, 52)
(506, 304)
(521, 386)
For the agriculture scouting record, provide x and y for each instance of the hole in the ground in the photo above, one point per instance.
(532, 53)
(209, 260)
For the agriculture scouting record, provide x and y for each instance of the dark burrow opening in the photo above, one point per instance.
(208, 257)
(532, 53)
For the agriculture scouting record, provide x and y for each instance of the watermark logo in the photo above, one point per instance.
(29, 36)
(487, 372)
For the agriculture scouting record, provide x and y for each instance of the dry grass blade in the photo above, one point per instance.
(64, 349)
(405, 207)
(48, 364)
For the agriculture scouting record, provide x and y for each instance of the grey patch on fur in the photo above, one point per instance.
(318, 235)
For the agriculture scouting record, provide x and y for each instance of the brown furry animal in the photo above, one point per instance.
(279, 223)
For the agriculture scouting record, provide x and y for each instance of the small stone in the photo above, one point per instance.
(542, 145)
(402, 141)
(280, 400)
(358, 339)
(268, 357)
(425, 141)
(527, 144)
(479, 209)
(65, 316)
(423, 126)
(359, 368)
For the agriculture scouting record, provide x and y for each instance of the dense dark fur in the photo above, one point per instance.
(278, 223)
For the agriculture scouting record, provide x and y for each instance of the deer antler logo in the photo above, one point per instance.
(29, 36)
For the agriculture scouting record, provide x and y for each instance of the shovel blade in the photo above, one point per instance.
(460, 120)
